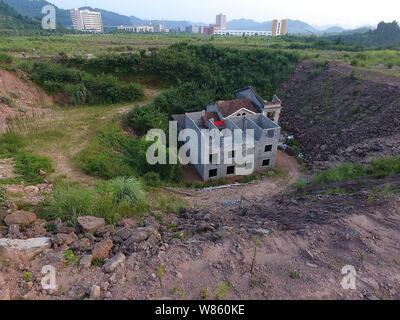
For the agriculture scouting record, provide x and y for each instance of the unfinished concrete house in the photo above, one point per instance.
(247, 111)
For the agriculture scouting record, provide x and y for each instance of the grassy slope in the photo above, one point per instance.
(63, 132)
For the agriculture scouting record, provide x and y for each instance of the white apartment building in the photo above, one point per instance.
(137, 29)
(221, 22)
(85, 20)
(242, 33)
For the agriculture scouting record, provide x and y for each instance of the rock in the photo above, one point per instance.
(23, 218)
(3, 231)
(95, 292)
(65, 238)
(124, 233)
(128, 222)
(3, 214)
(306, 254)
(23, 250)
(36, 231)
(114, 262)
(142, 234)
(4, 291)
(102, 249)
(32, 189)
(91, 224)
(204, 227)
(262, 232)
(83, 244)
(86, 261)
(311, 265)
(14, 231)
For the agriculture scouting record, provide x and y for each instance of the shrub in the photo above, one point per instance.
(377, 169)
(5, 58)
(342, 172)
(2, 196)
(382, 168)
(10, 143)
(152, 179)
(127, 190)
(69, 201)
(143, 119)
(110, 199)
(29, 166)
(82, 87)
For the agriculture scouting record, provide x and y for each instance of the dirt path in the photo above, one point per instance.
(219, 198)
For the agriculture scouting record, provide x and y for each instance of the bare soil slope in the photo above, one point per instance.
(341, 113)
(19, 97)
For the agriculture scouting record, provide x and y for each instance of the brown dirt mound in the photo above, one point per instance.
(19, 97)
(339, 113)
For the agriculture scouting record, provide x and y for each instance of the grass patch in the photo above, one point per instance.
(110, 200)
(387, 191)
(294, 274)
(28, 166)
(112, 153)
(2, 196)
(377, 169)
(222, 291)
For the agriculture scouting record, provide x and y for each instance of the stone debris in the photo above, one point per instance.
(95, 292)
(18, 250)
(102, 249)
(86, 261)
(91, 224)
(23, 218)
(114, 262)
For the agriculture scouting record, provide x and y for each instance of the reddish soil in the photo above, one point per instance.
(19, 97)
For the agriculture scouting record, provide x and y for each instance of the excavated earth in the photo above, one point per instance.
(340, 113)
(19, 97)
(303, 237)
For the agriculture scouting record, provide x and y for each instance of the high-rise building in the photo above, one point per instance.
(221, 22)
(85, 20)
(278, 28)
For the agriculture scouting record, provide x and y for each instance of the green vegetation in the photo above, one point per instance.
(111, 200)
(222, 291)
(30, 168)
(2, 196)
(82, 87)
(70, 258)
(377, 169)
(160, 273)
(387, 191)
(294, 274)
(256, 244)
(202, 74)
(112, 153)
(27, 276)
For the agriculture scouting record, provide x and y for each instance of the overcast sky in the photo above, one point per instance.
(349, 13)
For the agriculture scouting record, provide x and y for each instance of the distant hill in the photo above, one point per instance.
(385, 35)
(293, 26)
(13, 23)
(33, 9)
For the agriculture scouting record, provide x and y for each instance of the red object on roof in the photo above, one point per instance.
(229, 107)
(219, 123)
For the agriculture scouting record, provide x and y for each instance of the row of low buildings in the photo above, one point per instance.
(220, 29)
(91, 21)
